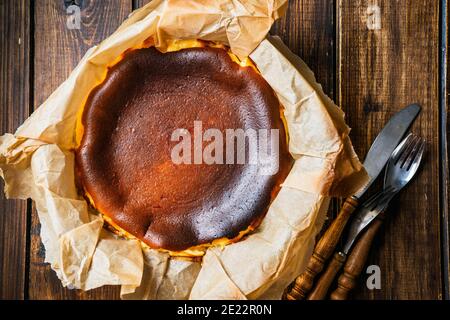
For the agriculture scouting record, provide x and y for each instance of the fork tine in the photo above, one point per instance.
(401, 147)
(421, 151)
(418, 157)
(413, 153)
(407, 150)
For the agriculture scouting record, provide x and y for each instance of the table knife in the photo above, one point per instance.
(379, 153)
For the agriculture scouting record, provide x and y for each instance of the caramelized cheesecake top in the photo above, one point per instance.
(125, 163)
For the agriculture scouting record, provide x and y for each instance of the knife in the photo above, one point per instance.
(379, 153)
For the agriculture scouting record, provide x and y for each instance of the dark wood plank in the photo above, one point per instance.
(445, 150)
(14, 108)
(57, 51)
(381, 71)
(309, 31)
(139, 3)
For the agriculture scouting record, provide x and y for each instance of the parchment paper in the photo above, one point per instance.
(38, 162)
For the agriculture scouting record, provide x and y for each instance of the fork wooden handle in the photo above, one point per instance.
(326, 279)
(356, 261)
(323, 250)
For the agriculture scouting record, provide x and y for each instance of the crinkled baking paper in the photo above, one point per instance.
(38, 162)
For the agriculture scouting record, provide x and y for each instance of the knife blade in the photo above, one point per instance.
(386, 141)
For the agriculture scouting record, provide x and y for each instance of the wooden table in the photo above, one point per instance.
(372, 57)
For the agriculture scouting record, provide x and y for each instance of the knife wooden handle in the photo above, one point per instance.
(356, 261)
(321, 288)
(323, 250)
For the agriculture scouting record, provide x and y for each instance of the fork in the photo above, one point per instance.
(401, 167)
(404, 162)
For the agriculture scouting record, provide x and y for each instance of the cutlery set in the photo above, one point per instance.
(401, 160)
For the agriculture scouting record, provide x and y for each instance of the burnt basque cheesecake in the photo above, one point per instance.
(124, 164)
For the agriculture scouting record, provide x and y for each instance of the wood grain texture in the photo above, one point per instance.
(370, 73)
(381, 71)
(14, 108)
(445, 148)
(445, 145)
(57, 51)
(323, 284)
(139, 3)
